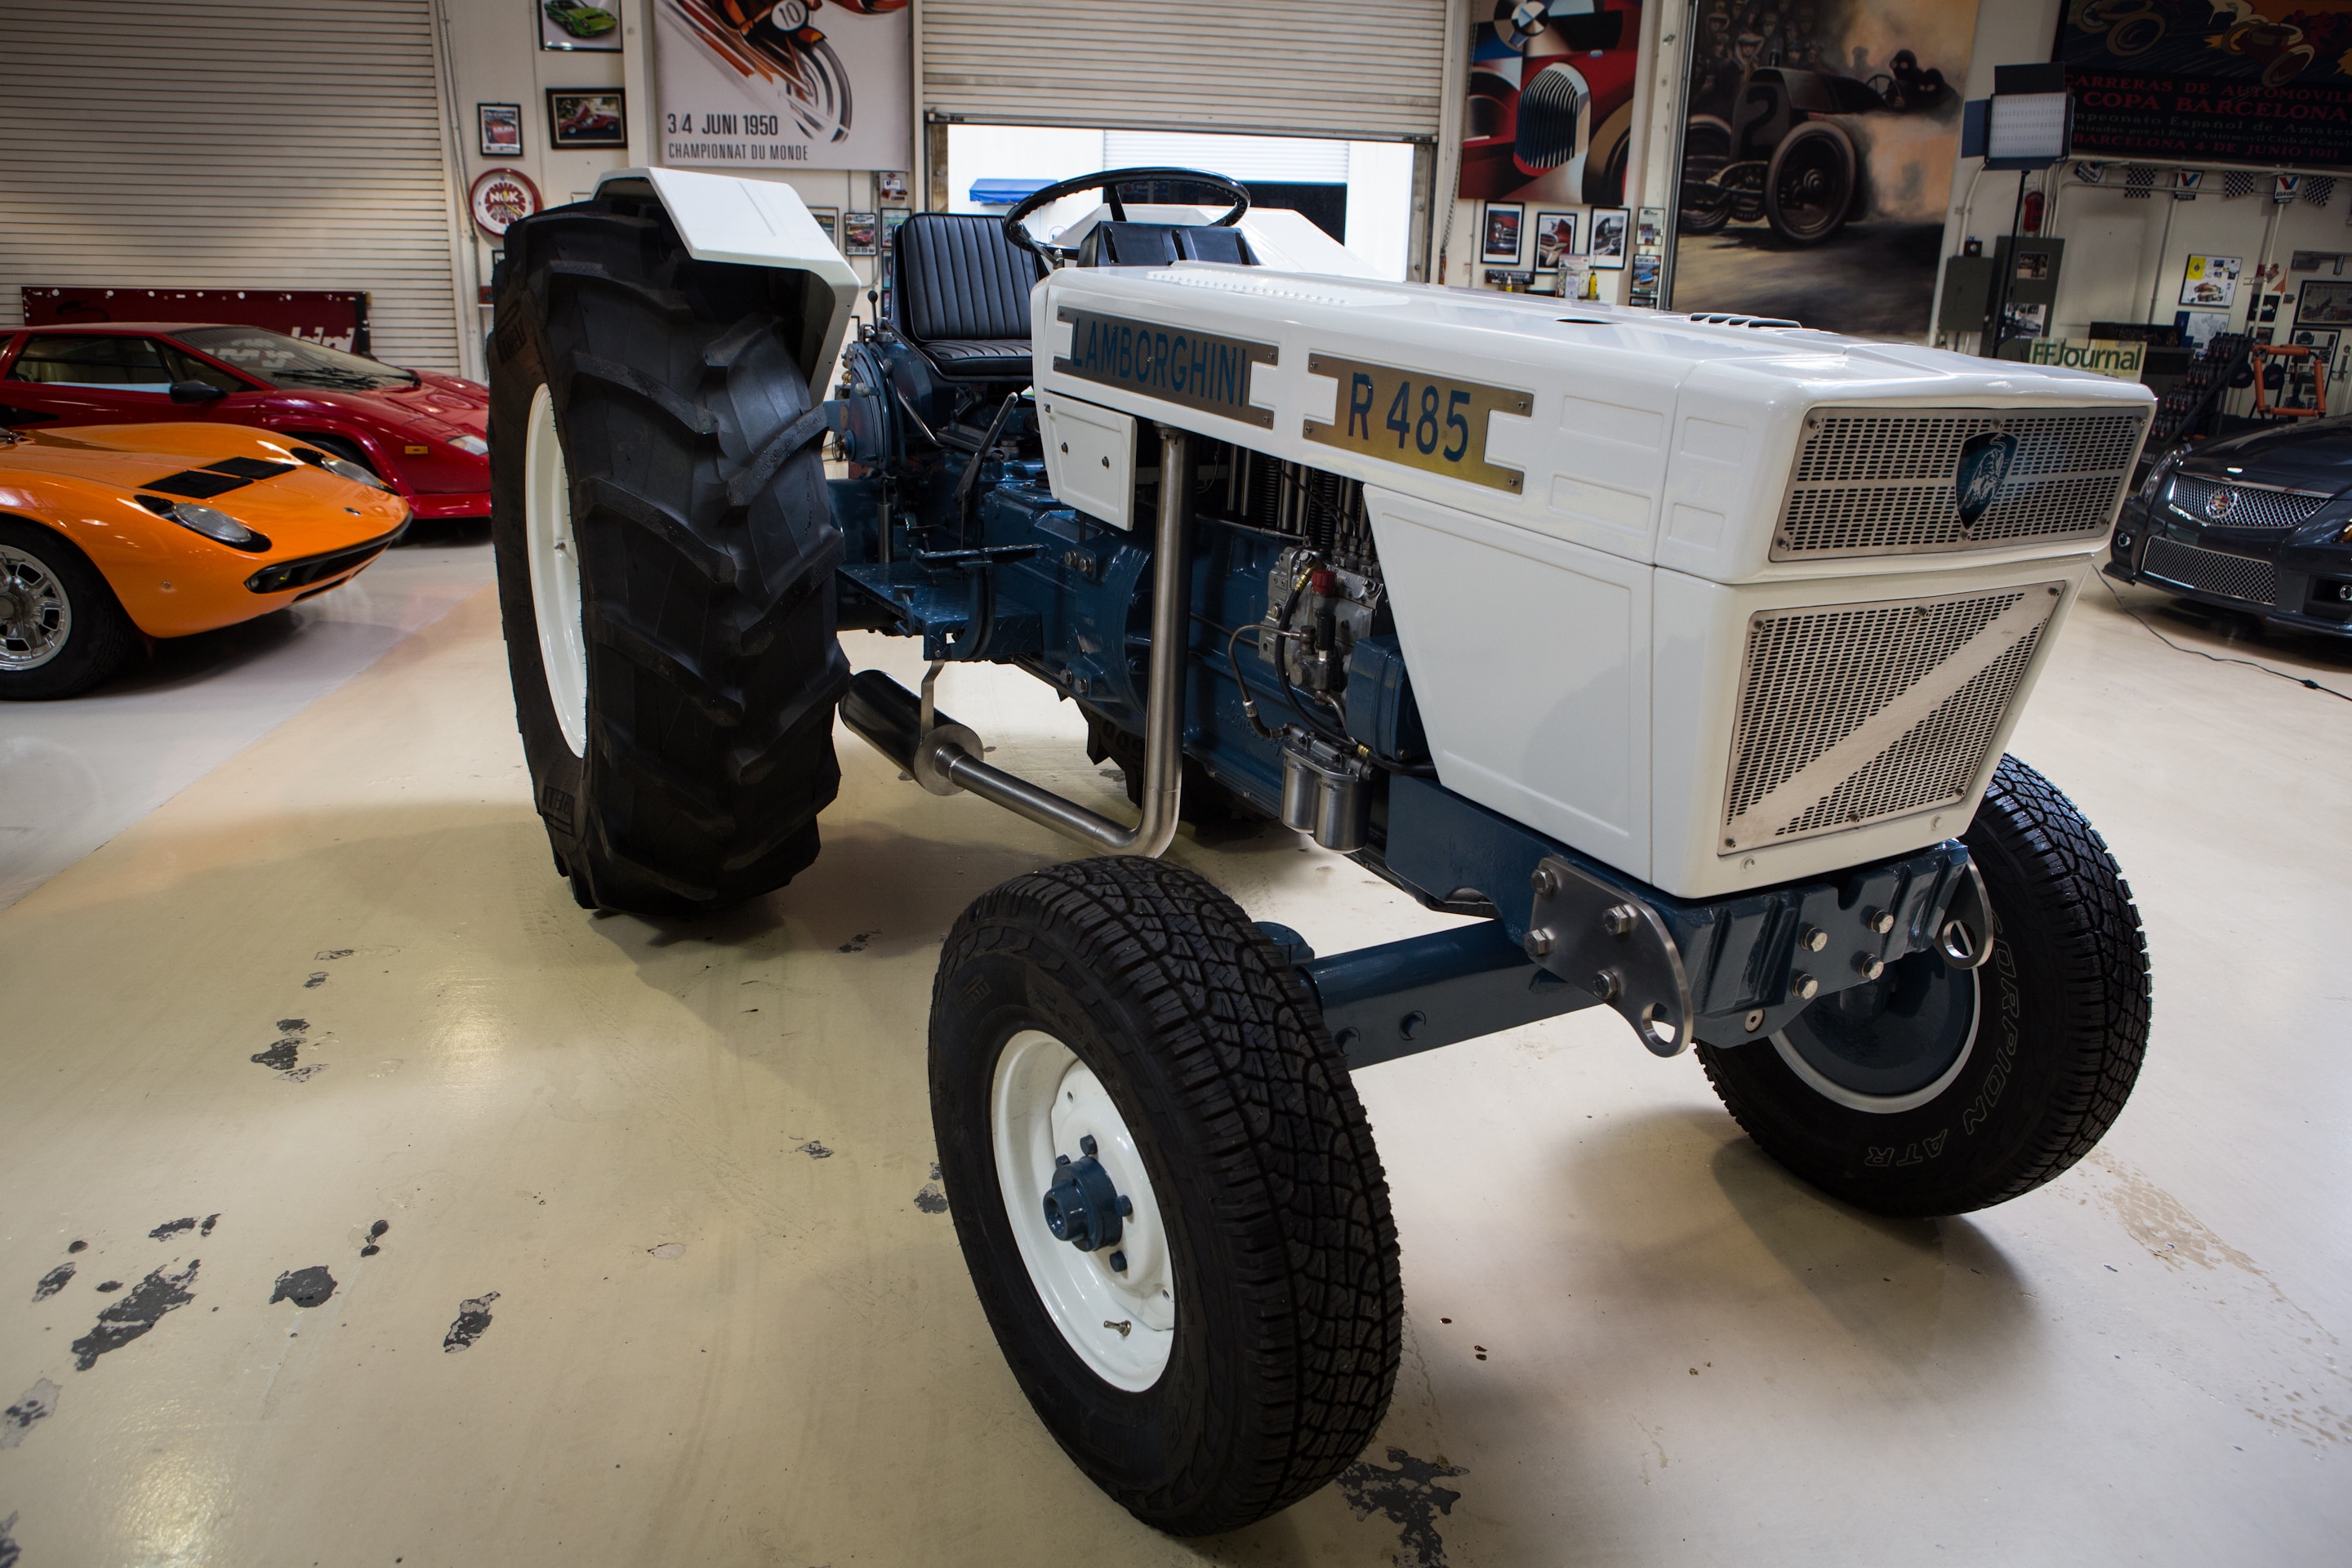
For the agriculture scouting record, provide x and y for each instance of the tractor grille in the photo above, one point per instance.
(2239, 505)
(1884, 483)
(1852, 714)
(2212, 571)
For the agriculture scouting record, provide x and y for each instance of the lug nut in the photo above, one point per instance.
(1813, 939)
(1606, 984)
(1086, 1144)
(1538, 942)
(1118, 1262)
(1755, 1019)
(1544, 882)
(1619, 920)
(1869, 965)
(1880, 920)
(1804, 985)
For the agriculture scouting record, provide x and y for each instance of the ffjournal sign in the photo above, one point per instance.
(2104, 355)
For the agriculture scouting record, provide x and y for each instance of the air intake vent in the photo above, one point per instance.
(2210, 572)
(1860, 712)
(1887, 483)
(2239, 505)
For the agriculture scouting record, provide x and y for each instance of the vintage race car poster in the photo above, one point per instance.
(799, 84)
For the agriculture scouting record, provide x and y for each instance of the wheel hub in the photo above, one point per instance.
(1888, 1045)
(1082, 1209)
(34, 617)
(1083, 1206)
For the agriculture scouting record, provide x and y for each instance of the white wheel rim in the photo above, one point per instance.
(35, 616)
(1043, 1101)
(554, 561)
(1885, 1104)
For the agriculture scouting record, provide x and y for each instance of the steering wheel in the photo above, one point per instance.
(1108, 182)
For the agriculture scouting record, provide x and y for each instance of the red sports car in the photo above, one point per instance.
(423, 434)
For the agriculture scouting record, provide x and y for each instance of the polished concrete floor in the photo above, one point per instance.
(536, 1237)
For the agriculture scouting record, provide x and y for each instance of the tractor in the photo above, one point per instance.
(1674, 656)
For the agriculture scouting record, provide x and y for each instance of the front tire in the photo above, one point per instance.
(1809, 187)
(61, 629)
(1235, 1348)
(666, 561)
(1934, 1091)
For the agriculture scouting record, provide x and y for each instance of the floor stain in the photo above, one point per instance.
(813, 1150)
(172, 1228)
(473, 1317)
(37, 1404)
(52, 1283)
(136, 1313)
(76, 1245)
(1409, 1497)
(9, 1550)
(315, 980)
(304, 1287)
(933, 1198)
(857, 943)
(331, 954)
(668, 1250)
(108, 1286)
(375, 1234)
(206, 1228)
(280, 1057)
(2174, 1237)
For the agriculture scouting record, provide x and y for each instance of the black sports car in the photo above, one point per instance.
(2261, 522)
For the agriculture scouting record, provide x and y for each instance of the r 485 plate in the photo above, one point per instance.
(1434, 423)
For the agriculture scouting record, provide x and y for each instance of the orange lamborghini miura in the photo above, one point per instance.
(111, 532)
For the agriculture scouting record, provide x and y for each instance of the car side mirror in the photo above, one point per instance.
(196, 392)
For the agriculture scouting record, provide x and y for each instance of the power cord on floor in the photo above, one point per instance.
(2217, 658)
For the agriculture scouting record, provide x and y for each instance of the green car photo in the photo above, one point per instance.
(582, 21)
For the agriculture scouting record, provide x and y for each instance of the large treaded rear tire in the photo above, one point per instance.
(1288, 1308)
(705, 549)
(2062, 1028)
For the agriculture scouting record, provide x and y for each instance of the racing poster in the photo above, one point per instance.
(1550, 116)
(2217, 81)
(783, 84)
(1817, 160)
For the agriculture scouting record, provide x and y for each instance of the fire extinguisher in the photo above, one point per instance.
(2032, 217)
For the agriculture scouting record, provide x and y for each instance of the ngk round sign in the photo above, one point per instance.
(799, 84)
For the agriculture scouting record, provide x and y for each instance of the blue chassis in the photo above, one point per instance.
(1008, 574)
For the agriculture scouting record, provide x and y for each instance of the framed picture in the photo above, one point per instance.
(2325, 305)
(2210, 282)
(572, 24)
(890, 185)
(2322, 344)
(501, 127)
(857, 234)
(1555, 237)
(1650, 228)
(1500, 233)
(586, 117)
(1607, 245)
(829, 220)
(891, 218)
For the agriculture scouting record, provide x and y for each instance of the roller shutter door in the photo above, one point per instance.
(1370, 70)
(242, 144)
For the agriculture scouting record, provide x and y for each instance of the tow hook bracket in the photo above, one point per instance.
(1616, 946)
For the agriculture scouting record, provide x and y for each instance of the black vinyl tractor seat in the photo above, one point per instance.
(960, 292)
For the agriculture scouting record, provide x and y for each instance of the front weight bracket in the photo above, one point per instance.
(1614, 945)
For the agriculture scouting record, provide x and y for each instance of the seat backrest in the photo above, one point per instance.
(957, 277)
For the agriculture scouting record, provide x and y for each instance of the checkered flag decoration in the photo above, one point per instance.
(2235, 186)
(2318, 189)
(2139, 181)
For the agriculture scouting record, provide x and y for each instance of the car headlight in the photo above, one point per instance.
(341, 468)
(2156, 476)
(210, 521)
(472, 446)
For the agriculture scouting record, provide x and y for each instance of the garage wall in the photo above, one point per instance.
(245, 144)
(1368, 71)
